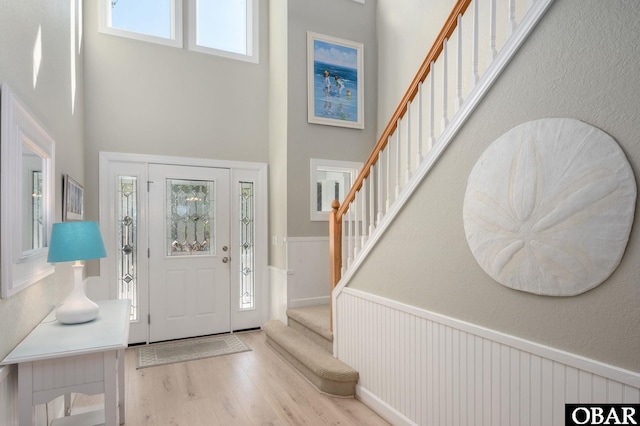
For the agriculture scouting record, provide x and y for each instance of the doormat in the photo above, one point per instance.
(189, 349)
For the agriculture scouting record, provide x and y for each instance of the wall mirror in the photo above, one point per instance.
(330, 180)
(26, 198)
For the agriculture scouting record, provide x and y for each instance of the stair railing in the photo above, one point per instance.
(414, 128)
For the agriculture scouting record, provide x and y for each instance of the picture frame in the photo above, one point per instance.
(329, 180)
(72, 200)
(335, 81)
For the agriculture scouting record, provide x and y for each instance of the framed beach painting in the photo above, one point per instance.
(335, 81)
(72, 200)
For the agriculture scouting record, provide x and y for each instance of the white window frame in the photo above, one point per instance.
(253, 18)
(104, 25)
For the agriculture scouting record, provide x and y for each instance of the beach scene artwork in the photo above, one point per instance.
(335, 82)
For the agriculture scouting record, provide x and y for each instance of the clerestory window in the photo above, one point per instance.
(226, 28)
(154, 21)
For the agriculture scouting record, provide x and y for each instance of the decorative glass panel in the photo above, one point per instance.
(127, 236)
(190, 217)
(247, 246)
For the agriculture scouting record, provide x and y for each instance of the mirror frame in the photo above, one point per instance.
(319, 165)
(18, 127)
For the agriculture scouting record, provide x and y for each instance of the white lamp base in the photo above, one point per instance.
(77, 307)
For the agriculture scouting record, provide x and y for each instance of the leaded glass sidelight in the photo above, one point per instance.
(190, 217)
(127, 195)
(247, 246)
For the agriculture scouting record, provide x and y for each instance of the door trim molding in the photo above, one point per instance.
(181, 161)
(236, 168)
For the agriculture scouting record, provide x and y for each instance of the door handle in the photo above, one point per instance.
(225, 259)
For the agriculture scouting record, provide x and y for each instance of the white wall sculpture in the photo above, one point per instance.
(549, 207)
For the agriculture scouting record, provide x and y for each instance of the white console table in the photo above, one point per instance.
(56, 359)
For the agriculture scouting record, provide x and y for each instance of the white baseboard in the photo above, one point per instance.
(388, 413)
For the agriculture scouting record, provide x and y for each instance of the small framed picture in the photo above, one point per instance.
(335, 81)
(72, 200)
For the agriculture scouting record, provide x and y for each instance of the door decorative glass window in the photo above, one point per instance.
(247, 246)
(127, 236)
(190, 217)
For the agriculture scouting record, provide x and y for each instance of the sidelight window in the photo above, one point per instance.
(127, 195)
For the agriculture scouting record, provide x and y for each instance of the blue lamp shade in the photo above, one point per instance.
(72, 241)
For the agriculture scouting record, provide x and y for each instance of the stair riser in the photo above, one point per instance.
(328, 387)
(312, 335)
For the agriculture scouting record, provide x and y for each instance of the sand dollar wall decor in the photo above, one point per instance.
(549, 207)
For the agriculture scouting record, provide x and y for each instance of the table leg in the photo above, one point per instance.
(67, 404)
(25, 394)
(121, 394)
(110, 389)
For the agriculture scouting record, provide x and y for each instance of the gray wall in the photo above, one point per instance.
(50, 102)
(406, 30)
(292, 140)
(146, 98)
(337, 18)
(589, 73)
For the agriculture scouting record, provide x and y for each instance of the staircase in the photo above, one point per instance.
(435, 107)
(307, 344)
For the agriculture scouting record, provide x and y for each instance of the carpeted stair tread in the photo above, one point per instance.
(325, 372)
(315, 318)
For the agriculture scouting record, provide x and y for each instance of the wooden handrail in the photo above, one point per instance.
(449, 27)
(335, 217)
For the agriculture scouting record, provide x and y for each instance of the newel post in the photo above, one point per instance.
(335, 251)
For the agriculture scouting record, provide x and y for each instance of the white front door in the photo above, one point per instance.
(189, 239)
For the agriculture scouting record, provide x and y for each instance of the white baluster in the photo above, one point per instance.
(459, 99)
(379, 201)
(445, 76)
(512, 16)
(388, 203)
(372, 210)
(474, 61)
(408, 172)
(492, 31)
(356, 226)
(365, 184)
(432, 120)
(345, 242)
(420, 112)
(350, 242)
(398, 158)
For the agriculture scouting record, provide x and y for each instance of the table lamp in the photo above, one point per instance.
(76, 241)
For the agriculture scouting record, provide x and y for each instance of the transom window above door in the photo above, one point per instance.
(227, 28)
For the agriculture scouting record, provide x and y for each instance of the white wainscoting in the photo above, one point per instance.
(417, 367)
(308, 268)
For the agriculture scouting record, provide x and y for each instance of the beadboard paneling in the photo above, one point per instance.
(417, 367)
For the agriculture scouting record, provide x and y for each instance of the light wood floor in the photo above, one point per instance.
(250, 388)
